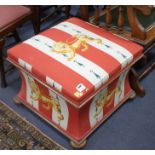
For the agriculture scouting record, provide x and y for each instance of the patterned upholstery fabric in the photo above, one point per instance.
(75, 58)
(9, 14)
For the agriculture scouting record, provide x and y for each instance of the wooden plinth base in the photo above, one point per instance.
(133, 95)
(78, 145)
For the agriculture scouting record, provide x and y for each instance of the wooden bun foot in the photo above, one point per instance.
(133, 95)
(78, 145)
(17, 100)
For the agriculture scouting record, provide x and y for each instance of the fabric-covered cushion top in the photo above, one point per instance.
(9, 14)
(75, 58)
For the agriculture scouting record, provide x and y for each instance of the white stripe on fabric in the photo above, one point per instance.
(21, 62)
(89, 70)
(28, 67)
(53, 83)
(25, 65)
(29, 99)
(64, 111)
(122, 55)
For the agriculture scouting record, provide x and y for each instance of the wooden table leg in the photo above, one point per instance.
(84, 12)
(15, 33)
(2, 72)
(36, 18)
(67, 11)
(135, 84)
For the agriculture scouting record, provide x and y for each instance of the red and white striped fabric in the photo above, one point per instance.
(88, 57)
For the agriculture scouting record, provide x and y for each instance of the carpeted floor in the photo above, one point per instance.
(131, 127)
(16, 133)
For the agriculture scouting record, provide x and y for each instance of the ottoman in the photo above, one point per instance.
(74, 76)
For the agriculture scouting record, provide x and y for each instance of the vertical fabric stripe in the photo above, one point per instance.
(29, 99)
(64, 111)
(25, 65)
(119, 95)
(54, 84)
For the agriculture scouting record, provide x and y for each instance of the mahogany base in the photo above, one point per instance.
(76, 145)
(133, 95)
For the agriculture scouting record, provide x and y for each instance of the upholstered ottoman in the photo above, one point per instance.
(74, 76)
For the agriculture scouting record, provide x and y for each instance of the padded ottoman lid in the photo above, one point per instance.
(75, 58)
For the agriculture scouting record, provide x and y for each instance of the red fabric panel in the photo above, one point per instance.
(49, 67)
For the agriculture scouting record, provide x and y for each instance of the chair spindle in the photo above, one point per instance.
(97, 15)
(108, 17)
(120, 19)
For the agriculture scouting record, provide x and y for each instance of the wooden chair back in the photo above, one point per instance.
(120, 15)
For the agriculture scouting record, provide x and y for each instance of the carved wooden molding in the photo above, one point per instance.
(138, 33)
(137, 30)
(145, 9)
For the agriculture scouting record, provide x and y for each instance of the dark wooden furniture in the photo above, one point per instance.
(135, 23)
(11, 17)
(130, 22)
(2, 74)
(124, 21)
(44, 13)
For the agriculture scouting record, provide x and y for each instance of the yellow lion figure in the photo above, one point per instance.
(105, 100)
(50, 101)
(79, 41)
